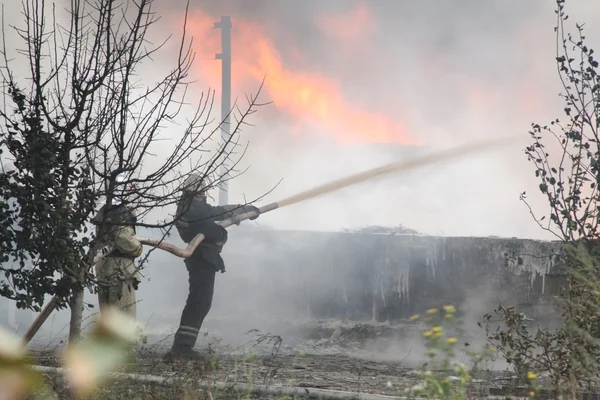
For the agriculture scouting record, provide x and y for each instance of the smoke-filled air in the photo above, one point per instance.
(354, 85)
(391, 142)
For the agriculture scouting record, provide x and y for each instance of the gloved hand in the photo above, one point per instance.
(138, 252)
(136, 284)
(255, 209)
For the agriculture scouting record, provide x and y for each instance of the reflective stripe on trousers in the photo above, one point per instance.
(186, 335)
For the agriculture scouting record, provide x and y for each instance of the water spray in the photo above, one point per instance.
(399, 166)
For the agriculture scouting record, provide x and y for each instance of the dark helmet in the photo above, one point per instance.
(194, 184)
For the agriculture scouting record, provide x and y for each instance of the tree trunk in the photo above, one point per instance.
(76, 305)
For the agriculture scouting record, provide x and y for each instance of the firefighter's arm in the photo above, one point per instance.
(210, 230)
(126, 241)
(199, 218)
(232, 210)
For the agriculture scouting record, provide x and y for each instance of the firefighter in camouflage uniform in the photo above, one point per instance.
(116, 273)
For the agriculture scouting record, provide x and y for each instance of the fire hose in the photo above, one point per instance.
(309, 194)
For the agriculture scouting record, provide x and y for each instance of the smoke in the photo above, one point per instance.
(356, 84)
(351, 82)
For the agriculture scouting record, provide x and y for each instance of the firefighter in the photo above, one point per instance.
(194, 216)
(117, 274)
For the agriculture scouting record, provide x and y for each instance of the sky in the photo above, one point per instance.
(356, 84)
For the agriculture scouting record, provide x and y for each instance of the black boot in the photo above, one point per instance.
(184, 353)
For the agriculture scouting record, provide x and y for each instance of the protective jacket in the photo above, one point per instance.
(117, 274)
(195, 215)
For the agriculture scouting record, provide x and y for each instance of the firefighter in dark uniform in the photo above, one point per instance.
(194, 216)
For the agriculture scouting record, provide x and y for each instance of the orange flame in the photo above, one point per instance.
(307, 97)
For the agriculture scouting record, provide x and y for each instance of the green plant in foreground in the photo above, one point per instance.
(445, 377)
(569, 354)
(17, 379)
(87, 363)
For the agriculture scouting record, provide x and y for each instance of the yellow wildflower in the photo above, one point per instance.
(414, 317)
(436, 329)
(437, 335)
(427, 334)
(432, 311)
(449, 309)
(468, 377)
(452, 340)
(531, 394)
(531, 375)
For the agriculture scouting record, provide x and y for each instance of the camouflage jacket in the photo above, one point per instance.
(116, 230)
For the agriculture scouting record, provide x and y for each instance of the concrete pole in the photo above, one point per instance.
(225, 57)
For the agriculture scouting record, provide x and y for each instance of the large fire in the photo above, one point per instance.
(304, 97)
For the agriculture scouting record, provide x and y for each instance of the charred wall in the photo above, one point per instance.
(277, 278)
(390, 277)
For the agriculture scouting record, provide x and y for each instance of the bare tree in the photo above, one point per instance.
(75, 119)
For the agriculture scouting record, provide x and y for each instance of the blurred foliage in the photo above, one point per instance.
(87, 363)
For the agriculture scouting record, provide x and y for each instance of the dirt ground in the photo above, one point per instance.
(333, 372)
(335, 356)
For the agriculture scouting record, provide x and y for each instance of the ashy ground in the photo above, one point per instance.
(228, 376)
(329, 360)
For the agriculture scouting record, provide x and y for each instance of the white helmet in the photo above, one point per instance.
(120, 192)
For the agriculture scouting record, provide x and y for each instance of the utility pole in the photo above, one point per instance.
(225, 57)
